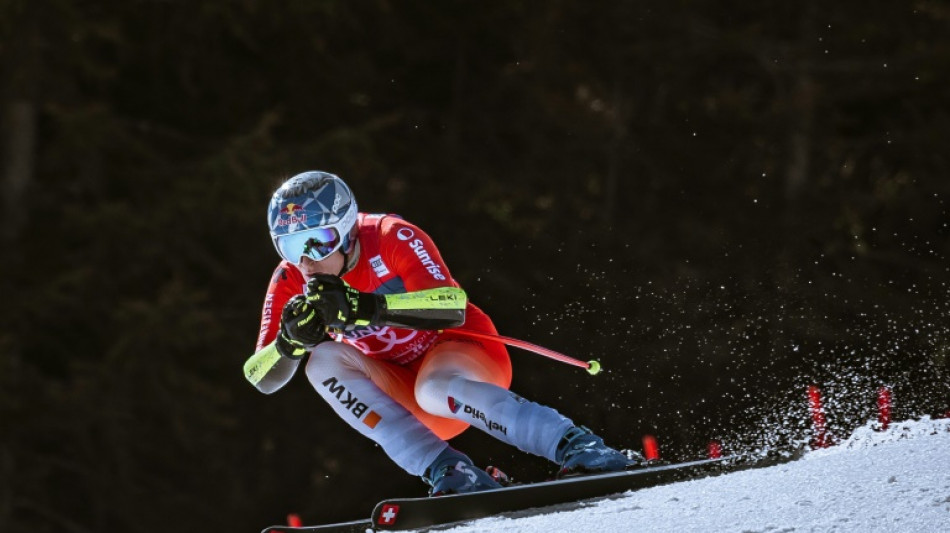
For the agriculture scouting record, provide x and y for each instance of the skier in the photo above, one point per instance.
(371, 301)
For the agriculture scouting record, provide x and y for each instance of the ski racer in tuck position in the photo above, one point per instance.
(370, 300)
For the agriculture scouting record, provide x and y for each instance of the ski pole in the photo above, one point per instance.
(592, 367)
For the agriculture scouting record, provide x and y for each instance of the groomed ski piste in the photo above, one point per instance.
(895, 481)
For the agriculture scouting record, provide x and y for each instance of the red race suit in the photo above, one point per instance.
(395, 257)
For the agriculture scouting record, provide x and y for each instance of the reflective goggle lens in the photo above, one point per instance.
(317, 244)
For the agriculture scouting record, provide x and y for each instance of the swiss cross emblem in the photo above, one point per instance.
(387, 516)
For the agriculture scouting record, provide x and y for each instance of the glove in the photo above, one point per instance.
(301, 328)
(341, 306)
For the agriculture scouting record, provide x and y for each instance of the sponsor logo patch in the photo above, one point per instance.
(388, 514)
(352, 403)
(434, 269)
(456, 406)
(404, 234)
(379, 267)
(371, 419)
(266, 316)
(290, 212)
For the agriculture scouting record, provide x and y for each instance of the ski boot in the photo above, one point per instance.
(453, 472)
(581, 452)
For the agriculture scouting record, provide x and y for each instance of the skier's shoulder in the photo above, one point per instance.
(286, 275)
(390, 227)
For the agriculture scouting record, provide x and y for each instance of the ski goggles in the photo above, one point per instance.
(316, 243)
(319, 242)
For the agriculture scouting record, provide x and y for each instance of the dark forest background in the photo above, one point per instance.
(723, 201)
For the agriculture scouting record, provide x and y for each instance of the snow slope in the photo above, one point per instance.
(894, 481)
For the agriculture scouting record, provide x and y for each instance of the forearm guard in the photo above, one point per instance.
(268, 370)
(439, 308)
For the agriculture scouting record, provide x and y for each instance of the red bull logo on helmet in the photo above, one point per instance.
(289, 215)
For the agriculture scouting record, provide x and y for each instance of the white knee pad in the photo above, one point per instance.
(432, 393)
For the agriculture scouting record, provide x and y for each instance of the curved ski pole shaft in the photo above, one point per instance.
(592, 367)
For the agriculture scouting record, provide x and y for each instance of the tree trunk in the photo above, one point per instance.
(800, 136)
(18, 131)
(19, 150)
(802, 108)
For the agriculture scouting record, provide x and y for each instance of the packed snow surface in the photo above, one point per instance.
(896, 480)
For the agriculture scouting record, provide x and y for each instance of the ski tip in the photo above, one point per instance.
(593, 367)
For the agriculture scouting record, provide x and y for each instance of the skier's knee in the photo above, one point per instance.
(432, 392)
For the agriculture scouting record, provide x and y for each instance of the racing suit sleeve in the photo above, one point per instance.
(266, 369)
(432, 299)
(437, 308)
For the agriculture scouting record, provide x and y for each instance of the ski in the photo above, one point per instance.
(416, 513)
(421, 513)
(356, 526)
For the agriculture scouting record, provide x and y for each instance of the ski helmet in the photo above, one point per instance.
(312, 214)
